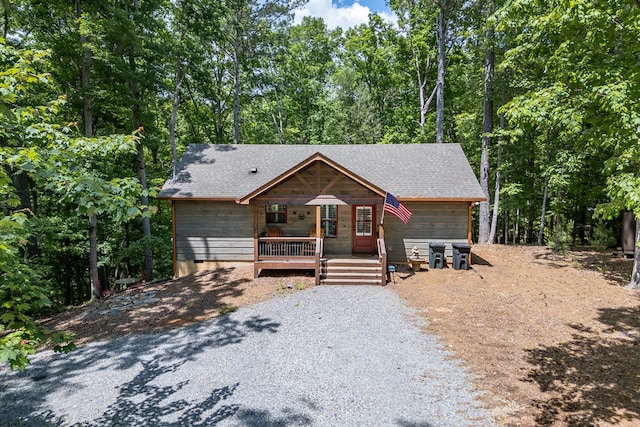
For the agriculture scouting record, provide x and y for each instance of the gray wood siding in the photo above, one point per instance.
(213, 231)
(294, 226)
(223, 231)
(430, 222)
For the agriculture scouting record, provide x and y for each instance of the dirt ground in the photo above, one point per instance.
(552, 339)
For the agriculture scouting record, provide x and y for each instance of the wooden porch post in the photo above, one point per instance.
(469, 229)
(469, 226)
(318, 221)
(173, 238)
(318, 241)
(255, 241)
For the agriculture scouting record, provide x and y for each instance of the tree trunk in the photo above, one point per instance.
(21, 184)
(236, 87)
(174, 116)
(142, 175)
(487, 128)
(635, 272)
(496, 199)
(422, 85)
(87, 117)
(5, 8)
(421, 89)
(442, 31)
(506, 227)
(545, 196)
(87, 111)
(516, 231)
(277, 121)
(96, 287)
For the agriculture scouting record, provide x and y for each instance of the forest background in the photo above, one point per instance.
(99, 98)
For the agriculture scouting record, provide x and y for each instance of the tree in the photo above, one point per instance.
(573, 63)
(21, 290)
(369, 52)
(416, 23)
(487, 129)
(302, 86)
(446, 11)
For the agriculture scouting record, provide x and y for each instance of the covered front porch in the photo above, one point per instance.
(315, 212)
(344, 244)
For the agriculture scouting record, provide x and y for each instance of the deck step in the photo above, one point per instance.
(353, 272)
(350, 282)
(354, 276)
(351, 262)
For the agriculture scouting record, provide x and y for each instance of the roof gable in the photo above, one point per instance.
(300, 167)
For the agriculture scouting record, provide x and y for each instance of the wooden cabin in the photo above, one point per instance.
(317, 207)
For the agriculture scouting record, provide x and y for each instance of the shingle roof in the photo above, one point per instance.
(411, 171)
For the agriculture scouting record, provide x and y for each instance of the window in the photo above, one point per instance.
(329, 220)
(364, 221)
(276, 214)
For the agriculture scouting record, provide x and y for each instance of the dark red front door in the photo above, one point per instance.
(364, 236)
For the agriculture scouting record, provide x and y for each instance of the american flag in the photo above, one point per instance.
(393, 206)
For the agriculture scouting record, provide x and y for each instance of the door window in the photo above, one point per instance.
(364, 223)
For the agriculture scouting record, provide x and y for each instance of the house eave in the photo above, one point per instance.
(441, 199)
(197, 198)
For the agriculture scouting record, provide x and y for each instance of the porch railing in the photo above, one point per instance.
(287, 247)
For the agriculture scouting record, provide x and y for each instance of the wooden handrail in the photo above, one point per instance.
(320, 247)
(318, 254)
(286, 239)
(382, 256)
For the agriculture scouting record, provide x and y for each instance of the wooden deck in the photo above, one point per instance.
(306, 253)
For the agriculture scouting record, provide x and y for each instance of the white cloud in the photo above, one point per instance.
(336, 16)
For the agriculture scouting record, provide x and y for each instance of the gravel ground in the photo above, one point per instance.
(327, 356)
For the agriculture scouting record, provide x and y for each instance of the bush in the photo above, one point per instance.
(561, 240)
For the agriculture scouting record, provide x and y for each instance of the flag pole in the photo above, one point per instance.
(383, 203)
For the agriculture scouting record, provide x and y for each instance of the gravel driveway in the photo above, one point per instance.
(326, 356)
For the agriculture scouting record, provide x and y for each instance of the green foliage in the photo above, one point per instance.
(574, 65)
(58, 163)
(22, 293)
(602, 237)
(561, 239)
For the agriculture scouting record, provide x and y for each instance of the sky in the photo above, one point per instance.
(344, 13)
